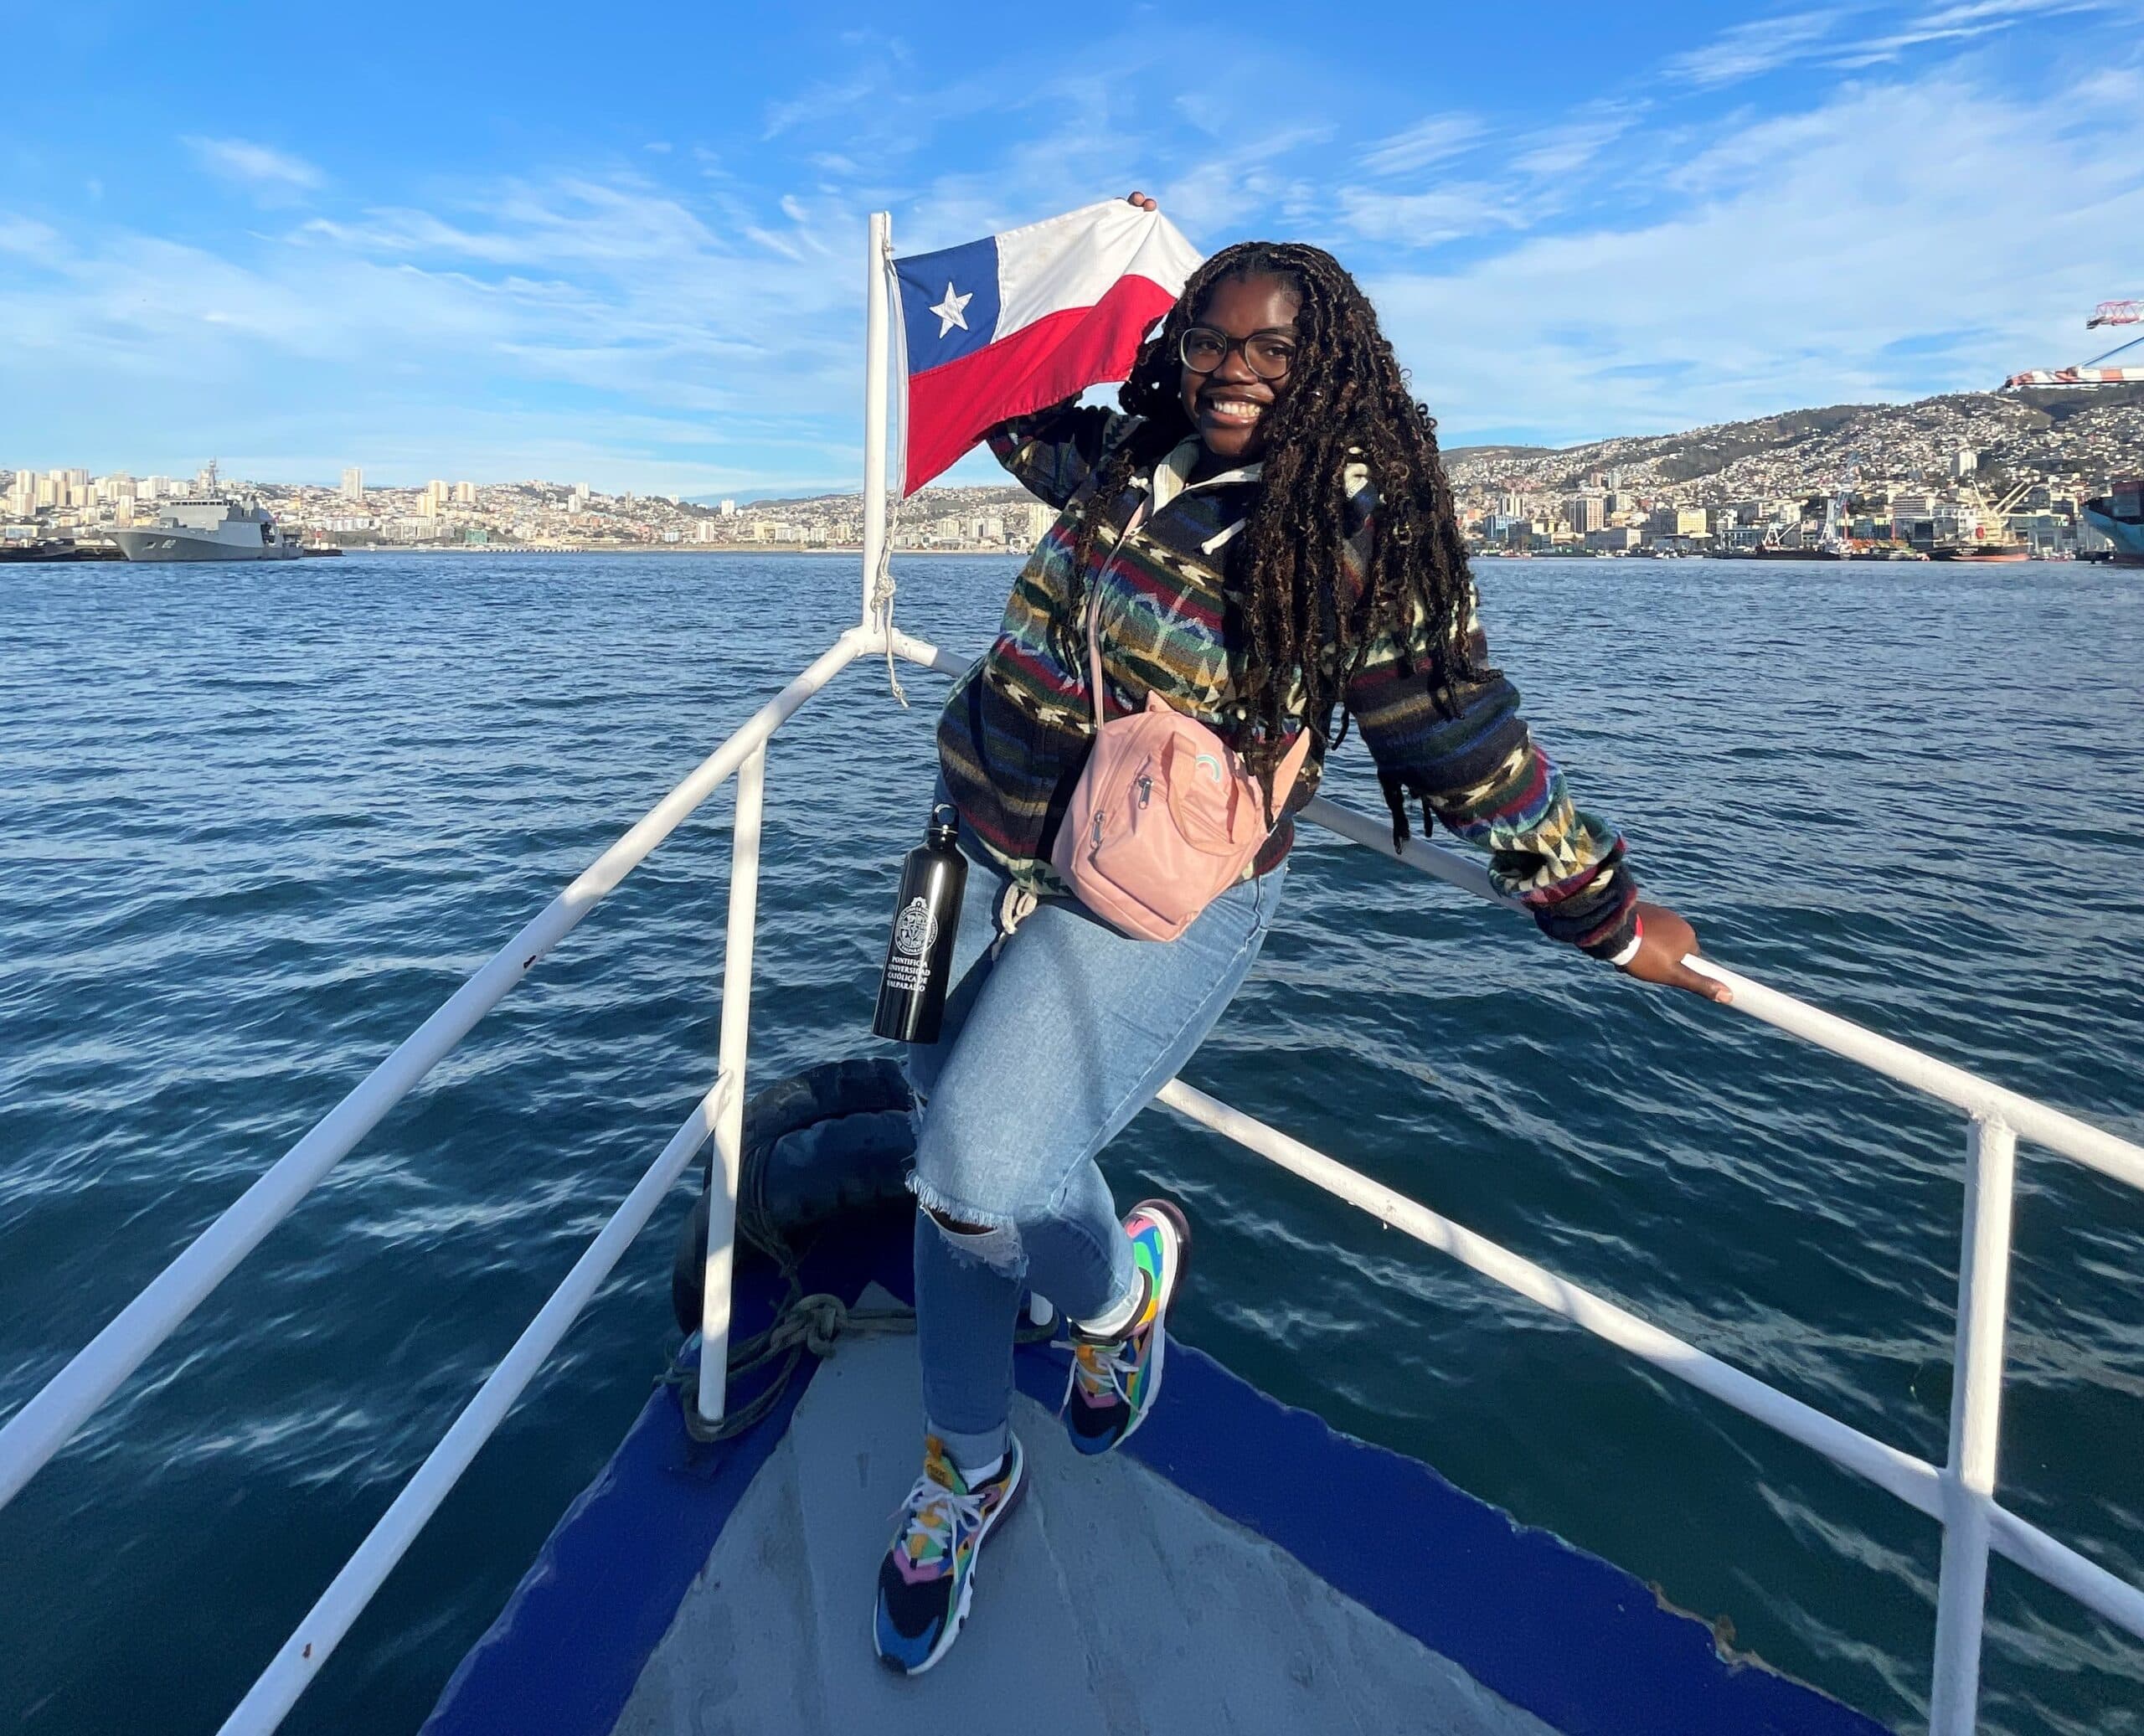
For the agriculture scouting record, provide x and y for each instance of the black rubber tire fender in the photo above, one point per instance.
(858, 1109)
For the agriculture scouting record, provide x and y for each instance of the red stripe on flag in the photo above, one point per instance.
(1059, 355)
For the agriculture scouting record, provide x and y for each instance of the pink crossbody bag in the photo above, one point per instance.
(1166, 818)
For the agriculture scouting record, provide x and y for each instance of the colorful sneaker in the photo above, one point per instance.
(1114, 1381)
(928, 1577)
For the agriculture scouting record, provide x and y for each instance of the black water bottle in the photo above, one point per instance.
(919, 955)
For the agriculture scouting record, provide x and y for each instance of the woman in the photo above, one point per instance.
(1269, 536)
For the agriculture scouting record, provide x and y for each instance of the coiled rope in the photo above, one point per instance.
(808, 1323)
(881, 598)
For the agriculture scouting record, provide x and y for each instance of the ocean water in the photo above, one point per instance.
(255, 823)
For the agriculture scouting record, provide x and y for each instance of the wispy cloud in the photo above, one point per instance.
(1427, 141)
(1863, 34)
(820, 103)
(1761, 45)
(1562, 149)
(1963, 23)
(610, 290)
(28, 239)
(269, 173)
(1514, 181)
(1754, 295)
(1424, 220)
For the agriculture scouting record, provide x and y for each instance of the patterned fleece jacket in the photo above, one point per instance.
(1016, 729)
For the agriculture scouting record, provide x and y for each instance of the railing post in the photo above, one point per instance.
(1976, 1425)
(730, 1117)
(876, 323)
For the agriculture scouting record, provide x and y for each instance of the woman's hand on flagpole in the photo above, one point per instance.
(1142, 201)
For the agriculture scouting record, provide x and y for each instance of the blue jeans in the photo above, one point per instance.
(1056, 1037)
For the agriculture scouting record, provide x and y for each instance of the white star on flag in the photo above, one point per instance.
(949, 311)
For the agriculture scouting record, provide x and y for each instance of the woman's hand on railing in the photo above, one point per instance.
(1666, 937)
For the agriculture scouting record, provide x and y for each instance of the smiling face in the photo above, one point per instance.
(1230, 406)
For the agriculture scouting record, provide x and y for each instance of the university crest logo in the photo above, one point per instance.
(914, 929)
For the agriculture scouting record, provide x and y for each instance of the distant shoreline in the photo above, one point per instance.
(853, 552)
(696, 549)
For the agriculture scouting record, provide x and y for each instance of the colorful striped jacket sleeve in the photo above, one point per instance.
(1054, 451)
(1473, 764)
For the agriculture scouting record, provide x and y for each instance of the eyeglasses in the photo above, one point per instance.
(1267, 354)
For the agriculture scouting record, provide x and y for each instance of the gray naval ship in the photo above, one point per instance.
(210, 525)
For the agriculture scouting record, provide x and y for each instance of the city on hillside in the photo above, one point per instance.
(1940, 473)
(535, 515)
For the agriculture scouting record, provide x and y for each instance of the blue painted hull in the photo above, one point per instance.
(1578, 1643)
(2126, 533)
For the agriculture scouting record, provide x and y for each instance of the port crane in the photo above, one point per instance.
(2095, 371)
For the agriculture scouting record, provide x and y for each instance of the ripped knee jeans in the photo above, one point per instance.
(1057, 1034)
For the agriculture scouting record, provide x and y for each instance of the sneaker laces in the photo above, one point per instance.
(1104, 1371)
(940, 1514)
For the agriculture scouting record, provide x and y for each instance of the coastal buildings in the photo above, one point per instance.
(1915, 476)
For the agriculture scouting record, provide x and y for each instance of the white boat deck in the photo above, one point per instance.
(1110, 1602)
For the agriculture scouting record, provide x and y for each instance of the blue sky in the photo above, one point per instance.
(624, 246)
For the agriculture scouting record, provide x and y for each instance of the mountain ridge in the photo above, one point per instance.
(2095, 433)
(2091, 430)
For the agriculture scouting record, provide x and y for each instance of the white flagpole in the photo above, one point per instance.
(874, 413)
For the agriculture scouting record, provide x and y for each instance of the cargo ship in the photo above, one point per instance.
(1988, 554)
(1785, 551)
(2118, 515)
(1984, 536)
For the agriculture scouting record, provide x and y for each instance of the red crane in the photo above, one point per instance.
(2094, 373)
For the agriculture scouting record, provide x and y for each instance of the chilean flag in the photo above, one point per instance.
(1014, 323)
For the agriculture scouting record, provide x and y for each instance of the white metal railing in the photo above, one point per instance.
(50, 1419)
(729, 1125)
(290, 1672)
(1960, 1496)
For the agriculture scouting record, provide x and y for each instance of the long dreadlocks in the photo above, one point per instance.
(1348, 403)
